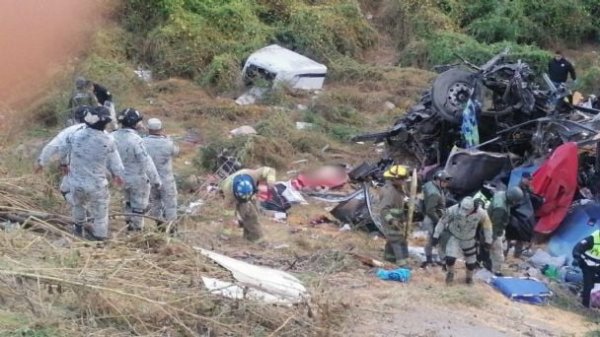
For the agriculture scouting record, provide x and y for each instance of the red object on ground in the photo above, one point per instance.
(556, 181)
(324, 178)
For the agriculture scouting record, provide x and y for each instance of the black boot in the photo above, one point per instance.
(428, 261)
(449, 278)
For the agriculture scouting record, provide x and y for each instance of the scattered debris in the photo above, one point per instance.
(251, 96)
(194, 207)
(321, 220)
(279, 284)
(144, 74)
(244, 130)
(304, 126)
(542, 258)
(230, 290)
(345, 228)
(370, 261)
(484, 275)
(389, 106)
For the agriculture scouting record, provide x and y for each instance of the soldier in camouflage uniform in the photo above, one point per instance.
(393, 215)
(499, 213)
(434, 204)
(462, 221)
(162, 150)
(89, 153)
(82, 95)
(54, 147)
(140, 172)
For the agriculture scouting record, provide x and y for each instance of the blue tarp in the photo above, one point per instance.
(522, 289)
(580, 222)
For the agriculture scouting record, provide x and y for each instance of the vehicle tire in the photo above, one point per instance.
(450, 93)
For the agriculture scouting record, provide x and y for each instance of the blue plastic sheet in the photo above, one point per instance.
(527, 290)
(400, 274)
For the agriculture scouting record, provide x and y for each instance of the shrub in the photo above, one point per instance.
(443, 48)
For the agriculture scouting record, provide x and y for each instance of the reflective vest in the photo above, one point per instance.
(594, 253)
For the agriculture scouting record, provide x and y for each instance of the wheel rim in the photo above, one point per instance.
(458, 95)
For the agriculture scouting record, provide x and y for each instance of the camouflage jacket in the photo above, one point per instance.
(138, 164)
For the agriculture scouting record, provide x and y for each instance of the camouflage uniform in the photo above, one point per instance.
(248, 211)
(163, 200)
(140, 174)
(89, 154)
(394, 223)
(499, 214)
(463, 230)
(434, 205)
(53, 149)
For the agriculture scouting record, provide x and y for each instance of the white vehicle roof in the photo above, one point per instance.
(275, 58)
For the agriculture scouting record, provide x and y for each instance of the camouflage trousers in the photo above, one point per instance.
(497, 254)
(396, 245)
(163, 201)
(429, 226)
(467, 248)
(96, 202)
(65, 189)
(248, 214)
(135, 196)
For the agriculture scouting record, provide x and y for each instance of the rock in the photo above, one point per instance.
(244, 130)
(301, 107)
(389, 106)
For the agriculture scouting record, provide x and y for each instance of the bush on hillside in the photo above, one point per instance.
(208, 39)
(443, 48)
(542, 22)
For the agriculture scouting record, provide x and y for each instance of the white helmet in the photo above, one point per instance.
(467, 205)
(154, 124)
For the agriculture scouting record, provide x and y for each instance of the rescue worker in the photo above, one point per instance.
(239, 189)
(82, 95)
(499, 213)
(163, 198)
(104, 97)
(461, 221)
(587, 255)
(393, 196)
(54, 147)
(536, 202)
(525, 184)
(88, 156)
(434, 204)
(559, 69)
(140, 172)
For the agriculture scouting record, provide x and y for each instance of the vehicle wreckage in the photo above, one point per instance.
(480, 123)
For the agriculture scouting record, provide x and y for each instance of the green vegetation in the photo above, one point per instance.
(201, 39)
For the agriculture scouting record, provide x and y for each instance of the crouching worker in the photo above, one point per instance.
(462, 221)
(240, 189)
(587, 255)
(393, 215)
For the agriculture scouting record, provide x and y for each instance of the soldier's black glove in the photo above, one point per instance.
(487, 246)
(435, 241)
